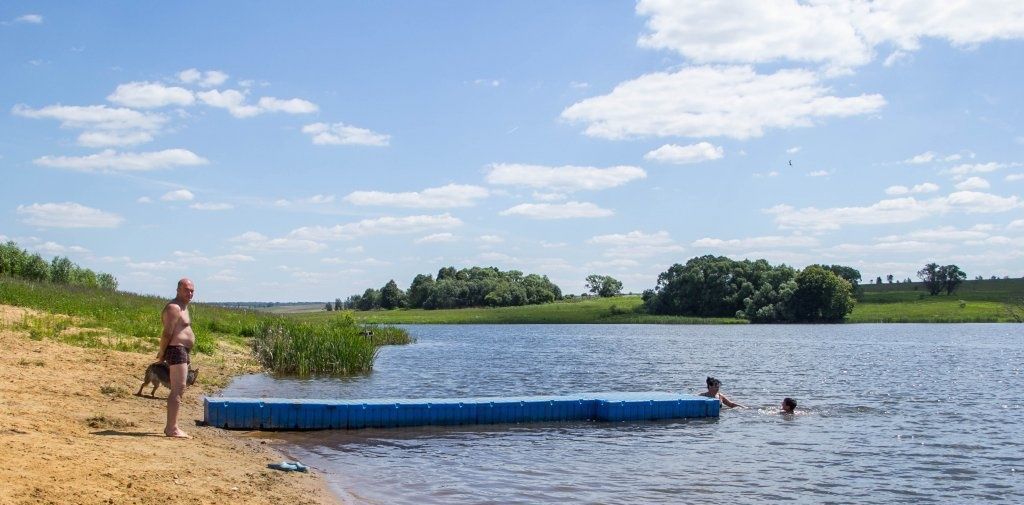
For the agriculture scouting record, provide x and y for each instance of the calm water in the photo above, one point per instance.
(890, 413)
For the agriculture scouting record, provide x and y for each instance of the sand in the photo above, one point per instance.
(73, 431)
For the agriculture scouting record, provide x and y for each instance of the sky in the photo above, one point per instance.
(276, 151)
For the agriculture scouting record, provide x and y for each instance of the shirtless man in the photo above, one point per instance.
(712, 392)
(175, 344)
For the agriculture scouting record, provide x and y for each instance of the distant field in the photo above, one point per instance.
(974, 301)
(618, 309)
(292, 309)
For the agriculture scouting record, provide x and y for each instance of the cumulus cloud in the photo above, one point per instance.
(925, 187)
(448, 196)
(1014, 177)
(258, 242)
(113, 138)
(673, 153)
(291, 106)
(211, 206)
(818, 173)
(113, 161)
(207, 79)
(896, 210)
(67, 215)
(150, 95)
(33, 19)
(732, 101)
(343, 134)
(387, 225)
(230, 99)
(836, 34)
(973, 183)
(491, 239)
(178, 195)
(545, 196)
(771, 241)
(976, 168)
(94, 117)
(563, 178)
(436, 238)
(636, 244)
(568, 210)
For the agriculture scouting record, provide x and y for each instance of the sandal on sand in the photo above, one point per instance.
(288, 466)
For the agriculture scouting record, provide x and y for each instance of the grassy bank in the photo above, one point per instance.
(129, 322)
(616, 310)
(975, 301)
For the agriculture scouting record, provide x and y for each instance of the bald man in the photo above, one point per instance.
(175, 345)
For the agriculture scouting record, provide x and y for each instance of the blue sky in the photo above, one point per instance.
(284, 152)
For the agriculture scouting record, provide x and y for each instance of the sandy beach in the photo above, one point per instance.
(73, 431)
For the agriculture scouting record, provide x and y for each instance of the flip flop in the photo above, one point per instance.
(288, 466)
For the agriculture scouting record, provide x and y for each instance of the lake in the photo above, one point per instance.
(910, 413)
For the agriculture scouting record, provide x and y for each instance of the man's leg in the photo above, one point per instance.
(178, 374)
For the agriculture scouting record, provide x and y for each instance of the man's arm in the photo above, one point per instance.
(729, 403)
(170, 317)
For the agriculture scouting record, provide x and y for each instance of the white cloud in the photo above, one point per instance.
(195, 258)
(258, 242)
(67, 215)
(973, 183)
(144, 199)
(317, 199)
(208, 79)
(925, 187)
(436, 238)
(1016, 223)
(149, 95)
(620, 263)
(292, 106)
(98, 117)
(837, 34)
(211, 206)
(113, 138)
(112, 161)
(793, 150)
(976, 168)
(343, 134)
(771, 241)
(34, 19)
(579, 85)
(895, 57)
(491, 239)
(940, 234)
(636, 244)
(818, 173)
(230, 99)
(1014, 177)
(494, 83)
(379, 226)
(773, 173)
(444, 197)
(563, 178)
(673, 153)
(568, 210)
(897, 210)
(178, 195)
(925, 157)
(708, 101)
(552, 245)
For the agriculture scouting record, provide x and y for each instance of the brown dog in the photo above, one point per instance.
(158, 374)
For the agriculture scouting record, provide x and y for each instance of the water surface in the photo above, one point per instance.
(888, 413)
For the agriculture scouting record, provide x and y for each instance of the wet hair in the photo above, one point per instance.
(789, 402)
(712, 382)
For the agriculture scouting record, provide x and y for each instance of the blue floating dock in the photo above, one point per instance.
(286, 414)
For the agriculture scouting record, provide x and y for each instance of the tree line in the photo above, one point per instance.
(451, 289)
(716, 286)
(17, 262)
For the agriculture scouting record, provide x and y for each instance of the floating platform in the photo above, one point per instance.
(286, 414)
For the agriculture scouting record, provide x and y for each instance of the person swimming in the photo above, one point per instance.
(712, 392)
(788, 406)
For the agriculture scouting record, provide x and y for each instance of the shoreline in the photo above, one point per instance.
(73, 431)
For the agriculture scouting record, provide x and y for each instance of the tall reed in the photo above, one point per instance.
(336, 346)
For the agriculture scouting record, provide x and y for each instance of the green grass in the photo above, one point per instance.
(90, 317)
(615, 310)
(983, 301)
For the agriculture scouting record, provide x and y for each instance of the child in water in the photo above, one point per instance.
(712, 392)
(788, 406)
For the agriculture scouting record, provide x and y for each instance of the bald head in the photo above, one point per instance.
(185, 290)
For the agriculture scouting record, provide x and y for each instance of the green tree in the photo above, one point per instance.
(603, 285)
(821, 296)
(35, 268)
(370, 300)
(933, 277)
(952, 277)
(107, 282)
(337, 304)
(391, 297)
(419, 290)
(889, 278)
(328, 307)
(60, 270)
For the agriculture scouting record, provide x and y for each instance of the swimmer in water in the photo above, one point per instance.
(712, 392)
(788, 406)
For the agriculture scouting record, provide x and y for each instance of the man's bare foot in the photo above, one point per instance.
(177, 433)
